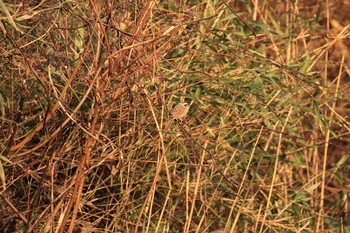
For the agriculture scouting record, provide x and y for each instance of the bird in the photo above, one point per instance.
(179, 112)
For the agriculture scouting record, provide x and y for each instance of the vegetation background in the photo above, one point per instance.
(86, 88)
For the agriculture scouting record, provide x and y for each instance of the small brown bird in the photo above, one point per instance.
(178, 112)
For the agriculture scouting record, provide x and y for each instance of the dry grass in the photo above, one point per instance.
(85, 93)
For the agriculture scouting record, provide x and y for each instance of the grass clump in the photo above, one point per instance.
(86, 89)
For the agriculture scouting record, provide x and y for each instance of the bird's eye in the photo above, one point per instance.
(186, 105)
